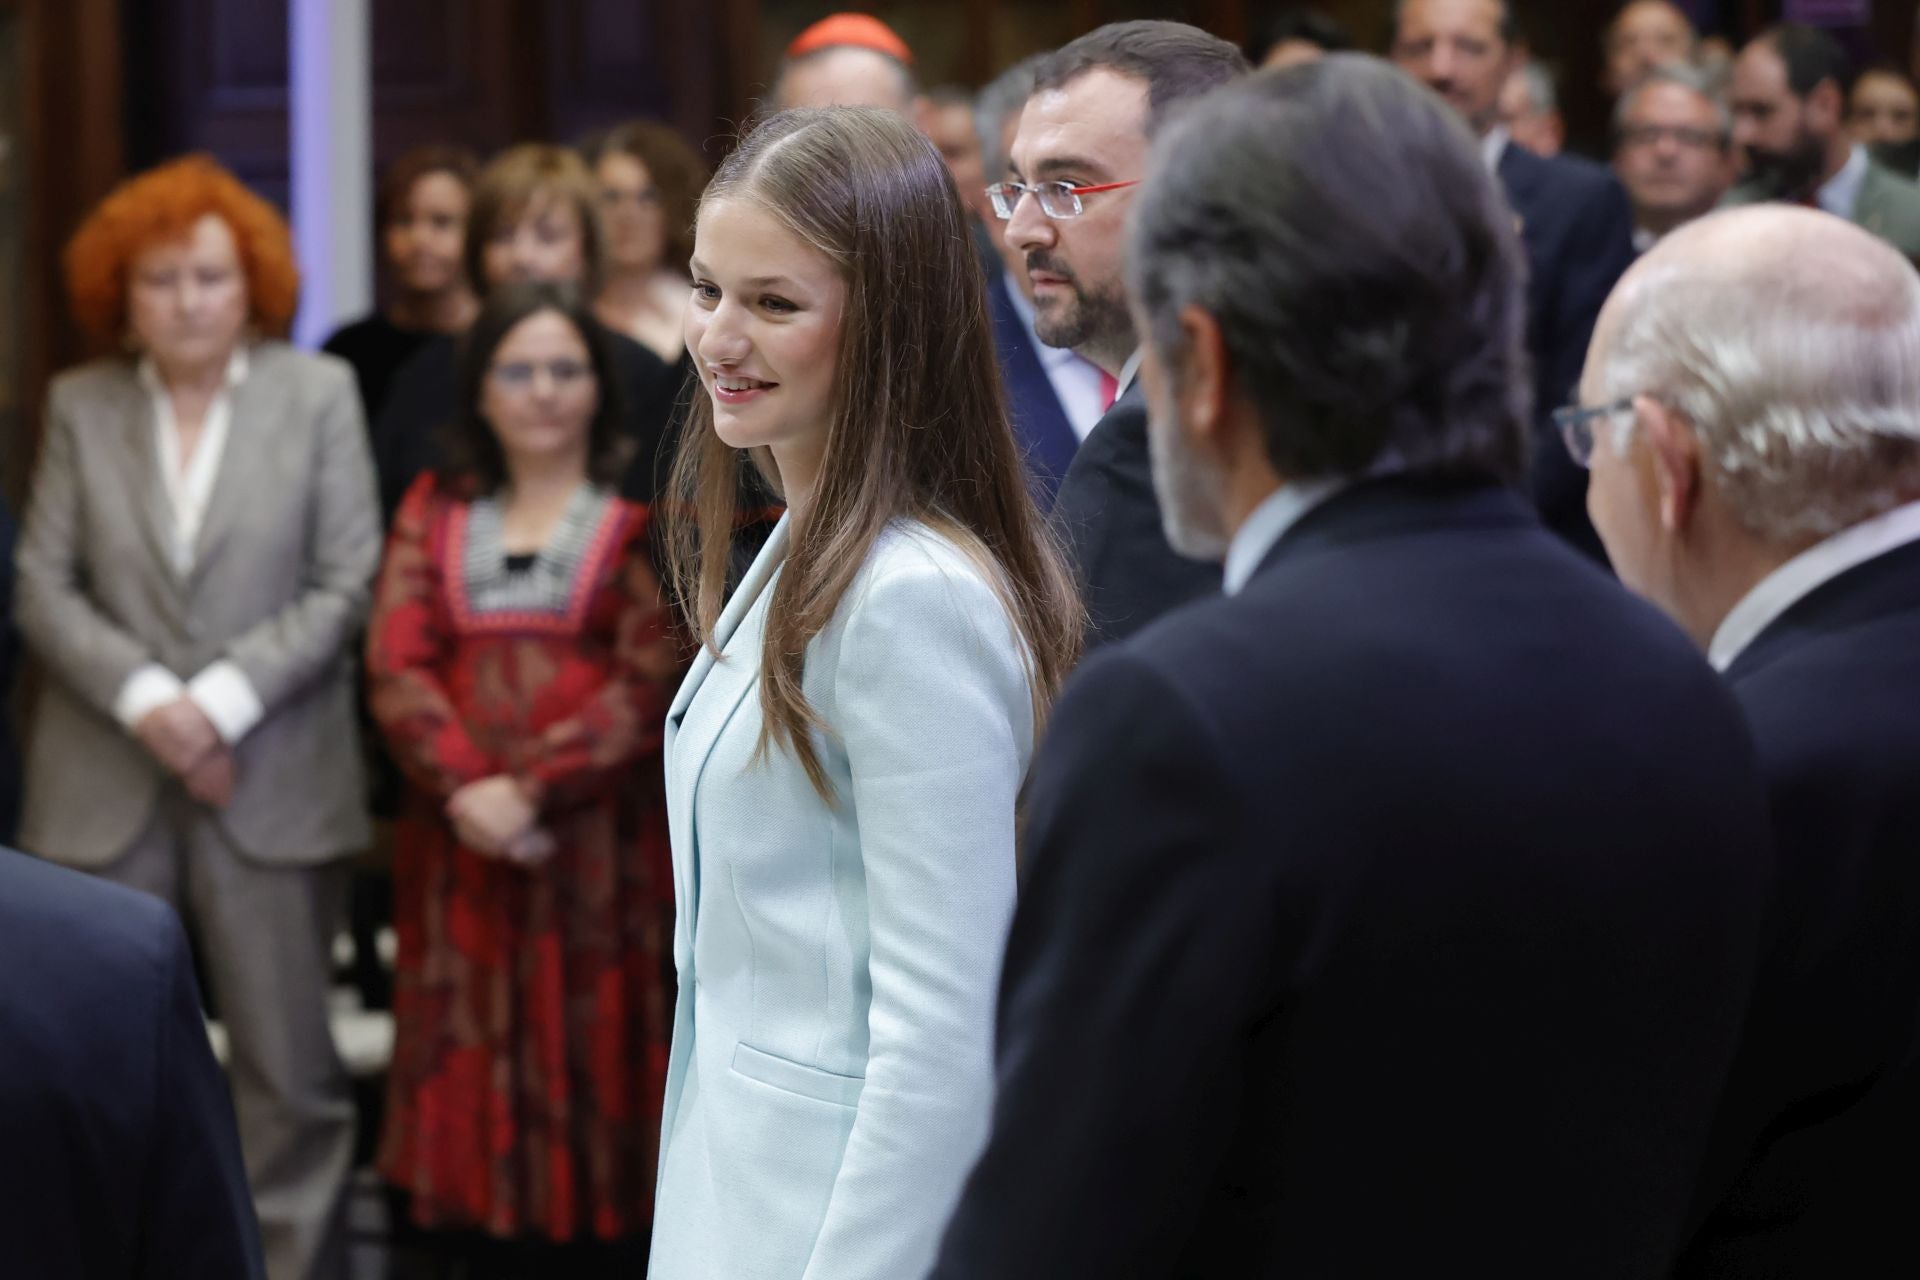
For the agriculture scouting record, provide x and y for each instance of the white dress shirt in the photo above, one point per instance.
(1494, 145)
(221, 691)
(1129, 371)
(1841, 193)
(1075, 379)
(1799, 577)
(1269, 522)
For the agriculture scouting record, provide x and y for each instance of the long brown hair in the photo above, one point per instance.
(919, 428)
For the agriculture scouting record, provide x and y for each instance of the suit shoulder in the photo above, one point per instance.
(92, 381)
(316, 369)
(912, 551)
(1579, 173)
(94, 931)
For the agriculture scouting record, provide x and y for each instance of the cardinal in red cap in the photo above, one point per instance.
(851, 31)
(848, 60)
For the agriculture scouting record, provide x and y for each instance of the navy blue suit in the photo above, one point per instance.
(1818, 1148)
(1395, 916)
(1109, 518)
(118, 1152)
(1577, 226)
(1039, 423)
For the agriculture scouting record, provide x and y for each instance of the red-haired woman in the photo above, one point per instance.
(197, 554)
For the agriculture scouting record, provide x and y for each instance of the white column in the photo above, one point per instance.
(330, 113)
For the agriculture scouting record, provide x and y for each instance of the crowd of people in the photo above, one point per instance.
(1208, 661)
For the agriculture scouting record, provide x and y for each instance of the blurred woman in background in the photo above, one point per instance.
(193, 566)
(422, 215)
(650, 183)
(535, 217)
(520, 661)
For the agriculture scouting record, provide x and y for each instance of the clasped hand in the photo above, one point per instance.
(494, 816)
(179, 735)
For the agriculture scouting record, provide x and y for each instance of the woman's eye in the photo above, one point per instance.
(777, 304)
(705, 291)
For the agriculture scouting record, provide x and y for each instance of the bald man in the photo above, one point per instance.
(845, 76)
(1753, 423)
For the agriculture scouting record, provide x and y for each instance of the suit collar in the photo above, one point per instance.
(257, 403)
(1778, 610)
(1395, 505)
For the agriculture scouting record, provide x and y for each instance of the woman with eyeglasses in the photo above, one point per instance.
(520, 661)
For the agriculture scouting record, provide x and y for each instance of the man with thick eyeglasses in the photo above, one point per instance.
(1672, 150)
(1076, 162)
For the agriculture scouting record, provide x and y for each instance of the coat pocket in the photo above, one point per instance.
(792, 1077)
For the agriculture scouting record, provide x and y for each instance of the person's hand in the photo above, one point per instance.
(489, 815)
(211, 781)
(178, 735)
(531, 847)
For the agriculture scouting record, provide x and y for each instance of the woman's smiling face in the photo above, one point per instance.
(764, 329)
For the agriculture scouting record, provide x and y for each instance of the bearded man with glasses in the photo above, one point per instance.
(1076, 161)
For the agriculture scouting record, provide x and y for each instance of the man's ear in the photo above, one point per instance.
(1677, 462)
(1204, 376)
(1826, 107)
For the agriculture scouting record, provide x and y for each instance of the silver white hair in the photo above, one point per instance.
(1798, 365)
(1687, 77)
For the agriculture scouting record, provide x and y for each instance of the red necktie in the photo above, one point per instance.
(1109, 390)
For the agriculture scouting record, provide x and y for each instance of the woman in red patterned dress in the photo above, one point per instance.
(521, 661)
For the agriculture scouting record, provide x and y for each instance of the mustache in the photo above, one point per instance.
(1041, 260)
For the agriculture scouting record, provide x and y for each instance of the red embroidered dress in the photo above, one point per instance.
(531, 1004)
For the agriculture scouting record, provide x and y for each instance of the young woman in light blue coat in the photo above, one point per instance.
(844, 756)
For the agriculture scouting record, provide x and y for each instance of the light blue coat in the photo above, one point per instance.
(831, 1072)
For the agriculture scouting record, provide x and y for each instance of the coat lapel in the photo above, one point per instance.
(140, 459)
(718, 685)
(254, 407)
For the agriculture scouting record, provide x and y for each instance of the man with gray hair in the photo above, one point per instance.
(1672, 150)
(1754, 433)
(1393, 914)
(1530, 109)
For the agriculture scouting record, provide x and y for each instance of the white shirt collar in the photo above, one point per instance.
(1128, 370)
(1841, 192)
(189, 487)
(1799, 577)
(1494, 145)
(1269, 523)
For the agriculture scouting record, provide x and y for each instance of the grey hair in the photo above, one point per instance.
(1005, 96)
(1540, 87)
(1687, 77)
(1798, 366)
(1337, 222)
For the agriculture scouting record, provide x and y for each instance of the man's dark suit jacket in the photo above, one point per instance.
(425, 395)
(1107, 515)
(1577, 226)
(1818, 1150)
(1393, 917)
(1039, 423)
(118, 1152)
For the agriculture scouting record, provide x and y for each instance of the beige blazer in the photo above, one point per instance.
(280, 585)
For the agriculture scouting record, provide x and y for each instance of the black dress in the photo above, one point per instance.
(376, 347)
